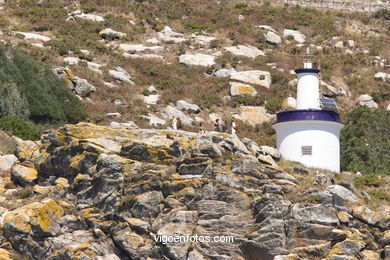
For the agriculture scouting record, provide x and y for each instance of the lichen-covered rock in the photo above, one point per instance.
(4, 254)
(239, 89)
(379, 219)
(23, 175)
(27, 151)
(120, 189)
(6, 161)
(246, 51)
(255, 77)
(343, 192)
(38, 217)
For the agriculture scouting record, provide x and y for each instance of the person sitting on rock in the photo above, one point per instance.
(224, 127)
(217, 126)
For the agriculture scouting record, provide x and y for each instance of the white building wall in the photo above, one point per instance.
(323, 136)
(308, 91)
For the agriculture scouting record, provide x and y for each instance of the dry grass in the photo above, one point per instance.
(7, 143)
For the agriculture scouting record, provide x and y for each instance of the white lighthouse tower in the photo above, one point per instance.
(310, 134)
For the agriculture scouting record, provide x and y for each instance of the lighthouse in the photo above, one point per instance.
(310, 134)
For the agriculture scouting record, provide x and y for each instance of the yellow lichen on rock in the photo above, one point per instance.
(41, 215)
(41, 189)
(369, 255)
(4, 254)
(27, 151)
(245, 90)
(62, 183)
(23, 175)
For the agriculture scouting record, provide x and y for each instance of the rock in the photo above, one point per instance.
(129, 124)
(4, 254)
(91, 17)
(6, 161)
(110, 34)
(86, 52)
(203, 39)
(27, 151)
(270, 151)
(266, 159)
(171, 112)
(239, 89)
(143, 56)
(153, 41)
(154, 120)
(343, 192)
(83, 88)
(382, 76)
(369, 255)
(246, 51)
(297, 35)
(152, 89)
(191, 108)
(273, 38)
(193, 166)
(324, 215)
(287, 257)
(34, 36)
(114, 115)
(386, 237)
(121, 75)
(72, 60)
(152, 99)
(379, 219)
(135, 48)
(23, 175)
(38, 217)
(168, 35)
(366, 100)
(146, 204)
(289, 103)
(223, 73)
(95, 67)
(255, 77)
(253, 115)
(70, 19)
(321, 179)
(339, 45)
(197, 60)
(344, 217)
(351, 44)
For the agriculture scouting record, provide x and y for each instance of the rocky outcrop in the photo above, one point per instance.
(359, 5)
(122, 192)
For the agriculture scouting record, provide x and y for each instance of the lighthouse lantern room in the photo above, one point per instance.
(310, 134)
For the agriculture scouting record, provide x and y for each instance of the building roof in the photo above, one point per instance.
(308, 114)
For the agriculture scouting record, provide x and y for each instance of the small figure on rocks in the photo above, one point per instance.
(217, 125)
(224, 128)
(234, 128)
(201, 128)
(175, 123)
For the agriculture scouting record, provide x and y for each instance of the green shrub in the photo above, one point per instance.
(19, 127)
(382, 14)
(365, 141)
(245, 8)
(12, 102)
(367, 180)
(274, 105)
(49, 99)
(379, 194)
(247, 100)
(194, 26)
